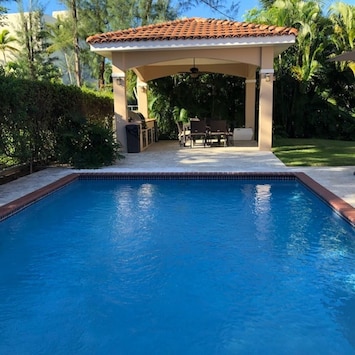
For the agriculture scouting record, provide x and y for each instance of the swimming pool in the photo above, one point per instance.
(169, 266)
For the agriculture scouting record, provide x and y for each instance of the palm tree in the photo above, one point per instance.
(300, 67)
(6, 42)
(73, 7)
(77, 64)
(310, 43)
(342, 17)
(61, 38)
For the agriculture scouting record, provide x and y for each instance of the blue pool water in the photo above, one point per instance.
(177, 267)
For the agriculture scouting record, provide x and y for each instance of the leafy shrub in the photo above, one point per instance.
(86, 145)
(40, 121)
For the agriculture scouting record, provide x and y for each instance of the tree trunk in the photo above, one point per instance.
(101, 81)
(27, 28)
(77, 69)
(146, 12)
(69, 69)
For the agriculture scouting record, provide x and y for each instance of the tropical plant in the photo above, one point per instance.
(33, 62)
(342, 17)
(35, 118)
(60, 36)
(106, 15)
(301, 106)
(209, 96)
(6, 44)
(95, 17)
(85, 145)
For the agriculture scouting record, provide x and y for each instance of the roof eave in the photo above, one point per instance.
(193, 43)
(347, 56)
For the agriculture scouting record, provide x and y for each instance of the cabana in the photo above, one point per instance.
(197, 45)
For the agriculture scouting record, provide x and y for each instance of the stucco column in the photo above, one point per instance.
(266, 75)
(265, 108)
(120, 106)
(250, 103)
(142, 93)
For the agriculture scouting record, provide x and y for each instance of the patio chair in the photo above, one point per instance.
(218, 130)
(183, 132)
(197, 132)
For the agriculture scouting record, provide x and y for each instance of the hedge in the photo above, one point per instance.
(34, 116)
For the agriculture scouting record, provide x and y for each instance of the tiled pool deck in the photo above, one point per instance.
(168, 157)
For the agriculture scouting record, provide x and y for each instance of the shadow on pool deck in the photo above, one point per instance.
(167, 156)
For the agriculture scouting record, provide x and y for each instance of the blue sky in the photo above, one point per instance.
(200, 11)
(203, 11)
(244, 6)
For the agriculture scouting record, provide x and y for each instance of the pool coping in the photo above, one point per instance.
(343, 208)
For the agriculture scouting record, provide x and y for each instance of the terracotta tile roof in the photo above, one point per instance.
(192, 28)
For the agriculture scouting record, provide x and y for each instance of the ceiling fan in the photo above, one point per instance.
(194, 71)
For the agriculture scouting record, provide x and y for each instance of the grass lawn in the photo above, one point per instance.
(314, 152)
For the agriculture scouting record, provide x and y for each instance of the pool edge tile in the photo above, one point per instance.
(335, 202)
(22, 202)
(338, 204)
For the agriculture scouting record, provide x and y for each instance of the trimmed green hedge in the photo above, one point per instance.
(36, 115)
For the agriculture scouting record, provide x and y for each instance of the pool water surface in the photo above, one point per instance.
(177, 267)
